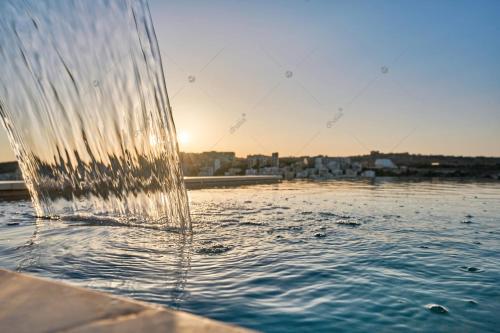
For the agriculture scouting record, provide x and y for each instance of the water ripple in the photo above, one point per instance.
(382, 268)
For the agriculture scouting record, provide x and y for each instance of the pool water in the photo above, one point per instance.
(344, 256)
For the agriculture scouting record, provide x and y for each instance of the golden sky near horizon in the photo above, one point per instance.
(334, 78)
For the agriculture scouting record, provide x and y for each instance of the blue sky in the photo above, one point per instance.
(438, 91)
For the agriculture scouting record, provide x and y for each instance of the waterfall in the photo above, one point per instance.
(84, 102)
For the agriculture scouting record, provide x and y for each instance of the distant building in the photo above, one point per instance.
(336, 173)
(206, 172)
(250, 172)
(217, 164)
(324, 174)
(258, 161)
(275, 160)
(270, 171)
(232, 172)
(224, 157)
(318, 163)
(346, 162)
(334, 166)
(288, 173)
(10, 171)
(351, 173)
(324, 167)
(368, 173)
(356, 166)
(303, 174)
(385, 163)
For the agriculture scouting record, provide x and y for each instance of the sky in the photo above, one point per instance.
(331, 77)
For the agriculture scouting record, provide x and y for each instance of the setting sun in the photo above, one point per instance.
(183, 138)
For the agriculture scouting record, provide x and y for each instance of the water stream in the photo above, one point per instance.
(85, 105)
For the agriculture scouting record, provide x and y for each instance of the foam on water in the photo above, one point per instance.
(84, 102)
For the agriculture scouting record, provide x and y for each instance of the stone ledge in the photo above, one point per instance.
(16, 189)
(31, 304)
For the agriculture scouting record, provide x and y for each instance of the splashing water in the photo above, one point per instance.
(84, 102)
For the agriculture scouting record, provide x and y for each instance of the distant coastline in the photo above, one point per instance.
(375, 164)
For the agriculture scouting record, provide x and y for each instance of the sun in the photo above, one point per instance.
(183, 138)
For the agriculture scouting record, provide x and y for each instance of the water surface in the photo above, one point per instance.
(346, 256)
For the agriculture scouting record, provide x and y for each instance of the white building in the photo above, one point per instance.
(385, 163)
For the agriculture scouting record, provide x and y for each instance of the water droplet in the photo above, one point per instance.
(436, 308)
(349, 223)
(214, 249)
(470, 269)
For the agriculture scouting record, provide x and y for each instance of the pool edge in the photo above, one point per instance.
(33, 304)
